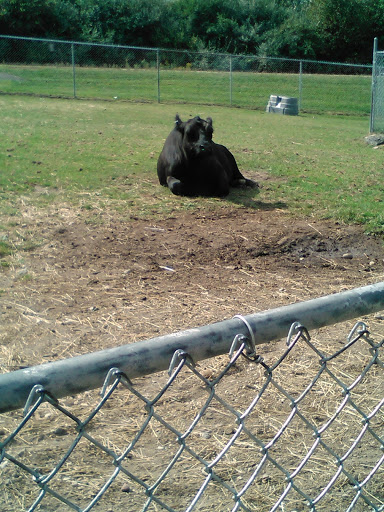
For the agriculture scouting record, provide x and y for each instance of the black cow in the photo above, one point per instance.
(191, 164)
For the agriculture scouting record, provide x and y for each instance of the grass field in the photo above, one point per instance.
(103, 154)
(94, 254)
(347, 94)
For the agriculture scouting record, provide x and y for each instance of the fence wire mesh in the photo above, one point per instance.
(377, 114)
(305, 432)
(85, 70)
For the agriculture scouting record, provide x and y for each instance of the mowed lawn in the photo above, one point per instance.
(102, 155)
(317, 92)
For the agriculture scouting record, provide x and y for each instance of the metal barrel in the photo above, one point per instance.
(289, 105)
(283, 105)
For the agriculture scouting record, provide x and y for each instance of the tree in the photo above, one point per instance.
(347, 28)
(40, 18)
(295, 38)
(341, 30)
(127, 22)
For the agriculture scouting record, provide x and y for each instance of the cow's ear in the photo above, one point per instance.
(179, 125)
(209, 127)
(178, 121)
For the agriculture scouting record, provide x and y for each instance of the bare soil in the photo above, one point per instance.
(88, 287)
(92, 285)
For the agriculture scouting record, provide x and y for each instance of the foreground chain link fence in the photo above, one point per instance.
(300, 427)
(85, 70)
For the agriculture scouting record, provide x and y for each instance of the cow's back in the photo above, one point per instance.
(171, 156)
(228, 162)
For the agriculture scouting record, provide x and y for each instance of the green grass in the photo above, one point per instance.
(348, 94)
(96, 156)
(5, 248)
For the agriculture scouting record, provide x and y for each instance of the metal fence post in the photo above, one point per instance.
(230, 80)
(73, 69)
(300, 83)
(158, 74)
(372, 116)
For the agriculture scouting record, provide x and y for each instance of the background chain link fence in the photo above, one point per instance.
(305, 433)
(85, 70)
(377, 111)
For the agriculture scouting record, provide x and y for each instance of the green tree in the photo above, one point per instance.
(295, 38)
(235, 26)
(261, 19)
(131, 22)
(346, 28)
(209, 24)
(40, 18)
(338, 30)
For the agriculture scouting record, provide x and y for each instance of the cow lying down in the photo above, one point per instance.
(191, 164)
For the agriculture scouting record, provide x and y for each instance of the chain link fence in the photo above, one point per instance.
(305, 433)
(300, 428)
(85, 70)
(377, 110)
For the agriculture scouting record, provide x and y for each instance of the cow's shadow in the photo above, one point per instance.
(249, 198)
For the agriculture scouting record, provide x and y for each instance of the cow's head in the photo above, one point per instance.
(197, 136)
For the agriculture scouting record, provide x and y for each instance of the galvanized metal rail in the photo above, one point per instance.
(85, 372)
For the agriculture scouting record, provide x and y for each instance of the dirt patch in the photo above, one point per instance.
(90, 286)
